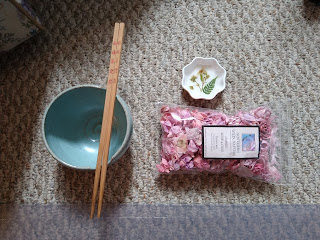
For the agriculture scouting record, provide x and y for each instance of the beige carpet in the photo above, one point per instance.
(269, 49)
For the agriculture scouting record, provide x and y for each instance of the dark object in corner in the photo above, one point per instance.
(316, 2)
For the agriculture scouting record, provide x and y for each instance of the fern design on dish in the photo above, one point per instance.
(210, 86)
(203, 86)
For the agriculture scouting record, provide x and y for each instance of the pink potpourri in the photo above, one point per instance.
(182, 143)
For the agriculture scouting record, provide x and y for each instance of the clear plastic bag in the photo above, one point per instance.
(182, 141)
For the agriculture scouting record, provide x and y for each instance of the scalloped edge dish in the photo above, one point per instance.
(203, 78)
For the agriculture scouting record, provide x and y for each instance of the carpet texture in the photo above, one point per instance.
(270, 50)
(140, 221)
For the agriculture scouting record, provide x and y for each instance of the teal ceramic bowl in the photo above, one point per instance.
(72, 125)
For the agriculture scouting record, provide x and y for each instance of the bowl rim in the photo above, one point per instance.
(203, 58)
(123, 146)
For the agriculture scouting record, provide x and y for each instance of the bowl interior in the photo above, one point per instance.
(213, 69)
(72, 127)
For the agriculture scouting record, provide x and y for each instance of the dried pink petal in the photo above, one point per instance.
(197, 161)
(164, 162)
(205, 164)
(182, 163)
(160, 168)
(181, 143)
(192, 147)
(176, 166)
(186, 158)
(190, 165)
(199, 115)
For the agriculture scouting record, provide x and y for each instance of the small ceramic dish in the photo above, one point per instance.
(72, 125)
(204, 78)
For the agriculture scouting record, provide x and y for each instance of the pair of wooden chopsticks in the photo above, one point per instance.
(105, 135)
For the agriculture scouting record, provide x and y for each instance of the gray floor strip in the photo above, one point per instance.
(134, 221)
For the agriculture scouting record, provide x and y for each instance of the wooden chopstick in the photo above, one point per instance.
(110, 98)
(105, 135)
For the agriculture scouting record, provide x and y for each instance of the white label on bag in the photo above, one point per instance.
(230, 142)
